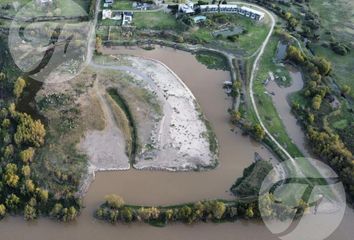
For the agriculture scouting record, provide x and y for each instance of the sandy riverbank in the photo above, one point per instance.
(177, 140)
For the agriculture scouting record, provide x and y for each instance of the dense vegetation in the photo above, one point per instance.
(212, 60)
(114, 210)
(249, 184)
(311, 105)
(20, 138)
(324, 107)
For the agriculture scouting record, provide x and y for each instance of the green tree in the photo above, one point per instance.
(311, 117)
(316, 102)
(6, 123)
(126, 214)
(10, 177)
(143, 214)
(249, 212)
(9, 151)
(2, 76)
(30, 212)
(26, 156)
(29, 131)
(168, 214)
(69, 214)
(98, 43)
(324, 66)
(114, 201)
(26, 171)
(185, 214)
(56, 211)
(235, 117)
(295, 54)
(12, 202)
(42, 194)
(30, 187)
(2, 211)
(345, 89)
(20, 84)
(258, 132)
(218, 209)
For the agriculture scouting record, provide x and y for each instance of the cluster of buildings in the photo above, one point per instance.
(141, 6)
(125, 17)
(190, 8)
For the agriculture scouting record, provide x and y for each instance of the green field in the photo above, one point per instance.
(155, 20)
(338, 18)
(122, 5)
(342, 66)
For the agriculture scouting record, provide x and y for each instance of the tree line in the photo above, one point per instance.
(114, 210)
(328, 145)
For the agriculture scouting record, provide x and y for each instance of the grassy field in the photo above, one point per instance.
(248, 42)
(338, 18)
(122, 5)
(155, 20)
(256, 33)
(342, 66)
(212, 60)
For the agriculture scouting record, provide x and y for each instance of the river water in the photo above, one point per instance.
(159, 187)
(281, 103)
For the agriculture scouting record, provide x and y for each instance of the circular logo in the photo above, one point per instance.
(49, 40)
(302, 198)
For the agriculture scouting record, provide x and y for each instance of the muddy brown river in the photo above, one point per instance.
(159, 187)
(281, 103)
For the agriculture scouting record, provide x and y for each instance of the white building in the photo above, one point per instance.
(187, 7)
(44, 2)
(108, 3)
(106, 14)
(252, 13)
(212, 8)
(127, 18)
(230, 8)
(109, 14)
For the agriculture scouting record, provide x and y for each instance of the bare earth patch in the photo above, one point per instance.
(182, 141)
(105, 148)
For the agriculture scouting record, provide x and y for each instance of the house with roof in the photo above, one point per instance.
(199, 19)
(109, 14)
(232, 8)
(44, 2)
(252, 13)
(127, 18)
(141, 6)
(187, 7)
(108, 3)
